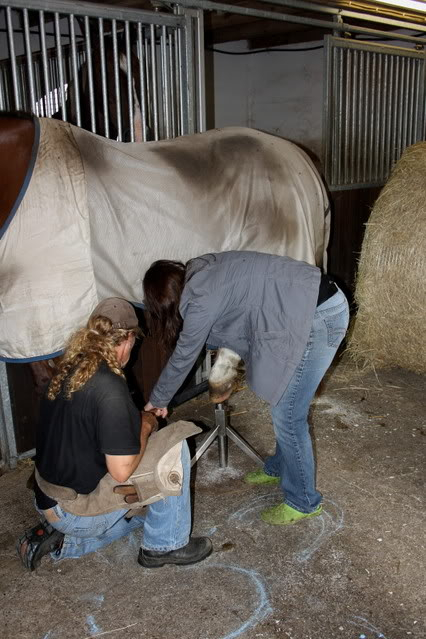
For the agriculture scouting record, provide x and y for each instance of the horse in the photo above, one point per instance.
(83, 217)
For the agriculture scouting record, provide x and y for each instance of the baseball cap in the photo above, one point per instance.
(119, 311)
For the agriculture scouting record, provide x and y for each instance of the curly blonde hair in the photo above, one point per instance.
(85, 351)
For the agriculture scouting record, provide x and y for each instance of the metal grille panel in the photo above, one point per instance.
(126, 75)
(374, 109)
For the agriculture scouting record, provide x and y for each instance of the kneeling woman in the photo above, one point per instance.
(283, 318)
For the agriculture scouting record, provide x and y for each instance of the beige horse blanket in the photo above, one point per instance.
(98, 212)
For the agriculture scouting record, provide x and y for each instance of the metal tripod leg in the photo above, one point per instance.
(244, 445)
(222, 431)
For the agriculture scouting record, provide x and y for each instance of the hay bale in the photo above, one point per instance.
(389, 328)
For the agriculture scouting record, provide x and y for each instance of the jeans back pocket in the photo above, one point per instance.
(336, 327)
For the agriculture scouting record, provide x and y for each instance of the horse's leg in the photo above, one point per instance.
(223, 375)
(42, 372)
(16, 141)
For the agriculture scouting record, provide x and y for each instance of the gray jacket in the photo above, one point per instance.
(260, 306)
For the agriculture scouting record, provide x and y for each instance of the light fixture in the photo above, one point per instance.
(414, 5)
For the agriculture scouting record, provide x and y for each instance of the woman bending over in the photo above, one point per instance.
(284, 318)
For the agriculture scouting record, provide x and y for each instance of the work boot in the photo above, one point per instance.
(259, 477)
(284, 515)
(36, 542)
(197, 549)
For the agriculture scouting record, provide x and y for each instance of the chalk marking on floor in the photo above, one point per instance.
(96, 599)
(328, 524)
(263, 609)
(98, 556)
(108, 632)
(326, 521)
(363, 623)
(211, 531)
(254, 504)
(93, 628)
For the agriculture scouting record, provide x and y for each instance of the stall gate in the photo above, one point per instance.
(124, 74)
(102, 68)
(374, 109)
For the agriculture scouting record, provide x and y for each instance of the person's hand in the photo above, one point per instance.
(128, 491)
(159, 412)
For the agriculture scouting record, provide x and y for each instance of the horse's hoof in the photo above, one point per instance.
(221, 392)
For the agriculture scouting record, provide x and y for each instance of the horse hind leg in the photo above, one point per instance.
(223, 375)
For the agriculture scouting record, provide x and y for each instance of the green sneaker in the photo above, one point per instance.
(284, 515)
(259, 477)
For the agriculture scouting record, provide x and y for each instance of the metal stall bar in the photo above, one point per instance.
(142, 82)
(117, 80)
(11, 41)
(389, 115)
(347, 90)
(200, 70)
(103, 77)
(186, 72)
(129, 81)
(75, 71)
(165, 87)
(47, 99)
(154, 89)
(188, 68)
(371, 120)
(147, 75)
(9, 453)
(29, 60)
(417, 132)
(171, 68)
(90, 73)
(178, 83)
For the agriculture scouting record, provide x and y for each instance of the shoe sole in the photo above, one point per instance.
(143, 561)
(293, 522)
(264, 482)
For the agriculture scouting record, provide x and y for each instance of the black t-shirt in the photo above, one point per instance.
(74, 434)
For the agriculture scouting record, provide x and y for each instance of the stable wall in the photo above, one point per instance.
(277, 92)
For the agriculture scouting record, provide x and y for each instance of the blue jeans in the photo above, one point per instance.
(294, 460)
(166, 525)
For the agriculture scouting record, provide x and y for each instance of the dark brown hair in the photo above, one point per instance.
(163, 285)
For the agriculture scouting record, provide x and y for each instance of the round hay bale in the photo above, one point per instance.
(389, 328)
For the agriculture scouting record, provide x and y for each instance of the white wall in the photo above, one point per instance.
(281, 93)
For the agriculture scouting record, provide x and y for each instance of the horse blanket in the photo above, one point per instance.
(96, 213)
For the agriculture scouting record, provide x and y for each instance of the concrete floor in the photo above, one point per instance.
(356, 572)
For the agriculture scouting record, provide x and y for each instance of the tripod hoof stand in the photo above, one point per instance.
(222, 431)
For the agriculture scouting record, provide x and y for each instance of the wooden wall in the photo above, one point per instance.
(350, 211)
